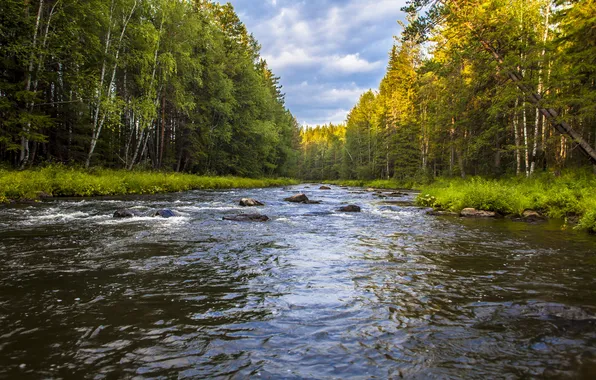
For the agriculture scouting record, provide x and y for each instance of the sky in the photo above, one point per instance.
(327, 52)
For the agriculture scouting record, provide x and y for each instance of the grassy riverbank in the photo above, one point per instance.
(571, 196)
(60, 181)
(376, 184)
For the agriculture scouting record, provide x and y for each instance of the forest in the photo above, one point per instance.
(482, 87)
(139, 84)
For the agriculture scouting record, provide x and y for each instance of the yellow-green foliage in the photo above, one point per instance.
(68, 182)
(572, 194)
(377, 184)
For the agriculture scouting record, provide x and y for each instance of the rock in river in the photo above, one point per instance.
(249, 202)
(165, 213)
(247, 218)
(532, 216)
(127, 213)
(324, 188)
(473, 213)
(298, 198)
(301, 198)
(350, 208)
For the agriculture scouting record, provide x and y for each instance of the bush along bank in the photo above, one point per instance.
(69, 182)
(571, 196)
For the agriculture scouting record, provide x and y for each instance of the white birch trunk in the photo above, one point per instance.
(539, 91)
(99, 125)
(24, 138)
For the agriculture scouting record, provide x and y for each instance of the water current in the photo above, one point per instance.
(390, 292)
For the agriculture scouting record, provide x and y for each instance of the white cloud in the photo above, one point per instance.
(351, 63)
(326, 53)
(334, 116)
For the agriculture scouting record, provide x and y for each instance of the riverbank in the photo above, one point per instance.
(58, 181)
(375, 184)
(571, 196)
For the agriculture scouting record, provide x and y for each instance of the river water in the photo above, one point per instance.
(313, 293)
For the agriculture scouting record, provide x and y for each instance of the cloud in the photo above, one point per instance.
(327, 52)
(352, 63)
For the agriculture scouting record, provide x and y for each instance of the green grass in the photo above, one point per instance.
(60, 181)
(570, 195)
(376, 184)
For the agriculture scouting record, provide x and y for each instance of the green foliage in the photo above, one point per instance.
(160, 84)
(571, 194)
(60, 181)
(455, 110)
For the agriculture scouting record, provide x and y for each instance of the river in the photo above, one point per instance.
(390, 292)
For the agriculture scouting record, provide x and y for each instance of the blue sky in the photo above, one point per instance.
(327, 52)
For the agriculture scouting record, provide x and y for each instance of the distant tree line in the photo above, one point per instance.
(466, 91)
(159, 84)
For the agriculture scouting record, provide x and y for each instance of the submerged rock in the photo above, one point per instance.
(249, 202)
(350, 208)
(165, 213)
(473, 213)
(247, 218)
(397, 194)
(324, 188)
(127, 213)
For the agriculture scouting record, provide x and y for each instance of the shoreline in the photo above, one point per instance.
(35, 185)
(571, 197)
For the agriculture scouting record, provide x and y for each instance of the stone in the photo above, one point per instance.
(397, 194)
(298, 198)
(473, 213)
(532, 215)
(247, 218)
(249, 202)
(126, 213)
(350, 208)
(324, 188)
(165, 213)
(44, 195)
(370, 189)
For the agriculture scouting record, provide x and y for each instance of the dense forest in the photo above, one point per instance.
(481, 87)
(155, 84)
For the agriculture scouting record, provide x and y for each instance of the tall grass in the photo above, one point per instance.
(60, 181)
(572, 194)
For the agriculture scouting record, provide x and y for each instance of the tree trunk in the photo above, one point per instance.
(538, 122)
(98, 126)
(536, 99)
(25, 137)
(517, 140)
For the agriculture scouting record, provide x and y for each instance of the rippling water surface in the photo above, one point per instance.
(387, 293)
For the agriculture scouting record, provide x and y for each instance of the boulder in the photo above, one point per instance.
(532, 215)
(165, 213)
(324, 188)
(127, 213)
(370, 189)
(298, 198)
(350, 208)
(473, 213)
(44, 195)
(249, 202)
(247, 218)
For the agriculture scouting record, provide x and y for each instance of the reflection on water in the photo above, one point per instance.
(387, 293)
